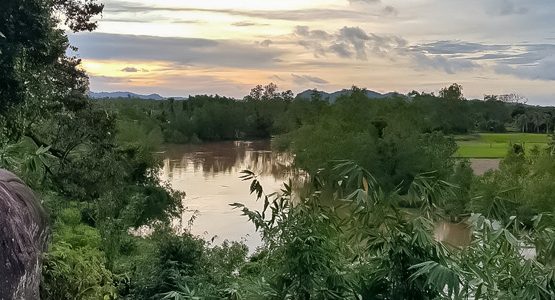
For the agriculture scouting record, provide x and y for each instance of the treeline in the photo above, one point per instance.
(213, 118)
(266, 112)
(453, 114)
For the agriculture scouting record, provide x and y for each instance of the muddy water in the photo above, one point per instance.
(209, 175)
(482, 165)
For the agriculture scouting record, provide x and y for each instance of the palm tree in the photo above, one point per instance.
(521, 121)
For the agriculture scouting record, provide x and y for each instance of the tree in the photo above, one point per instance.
(453, 92)
(255, 93)
(270, 91)
(35, 72)
(287, 95)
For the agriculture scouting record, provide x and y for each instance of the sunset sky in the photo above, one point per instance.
(185, 47)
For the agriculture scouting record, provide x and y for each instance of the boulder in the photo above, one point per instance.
(23, 238)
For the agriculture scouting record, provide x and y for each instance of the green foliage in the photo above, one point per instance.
(384, 137)
(204, 118)
(76, 273)
(302, 258)
(522, 187)
(74, 267)
(358, 244)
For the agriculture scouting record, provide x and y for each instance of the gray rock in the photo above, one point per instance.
(23, 238)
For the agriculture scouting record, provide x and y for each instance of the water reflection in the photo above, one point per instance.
(209, 175)
(226, 158)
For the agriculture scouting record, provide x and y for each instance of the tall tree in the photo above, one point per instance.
(453, 92)
(36, 75)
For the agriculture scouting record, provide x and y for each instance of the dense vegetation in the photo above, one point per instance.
(267, 112)
(382, 176)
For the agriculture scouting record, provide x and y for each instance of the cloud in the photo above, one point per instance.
(188, 22)
(341, 50)
(347, 42)
(525, 61)
(544, 69)
(505, 8)
(357, 38)
(305, 32)
(355, 43)
(266, 43)
(307, 79)
(247, 24)
(365, 1)
(457, 47)
(130, 70)
(276, 78)
(146, 19)
(180, 51)
(288, 15)
(439, 62)
(530, 54)
(390, 10)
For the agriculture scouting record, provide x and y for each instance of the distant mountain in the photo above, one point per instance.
(128, 95)
(332, 97)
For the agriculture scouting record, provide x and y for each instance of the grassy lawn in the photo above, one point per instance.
(495, 145)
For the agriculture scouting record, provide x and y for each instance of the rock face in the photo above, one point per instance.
(23, 238)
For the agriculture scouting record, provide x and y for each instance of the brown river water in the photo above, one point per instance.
(209, 175)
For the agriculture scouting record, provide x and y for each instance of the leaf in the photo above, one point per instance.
(438, 275)
(247, 175)
(365, 184)
(42, 150)
(511, 238)
(236, 205)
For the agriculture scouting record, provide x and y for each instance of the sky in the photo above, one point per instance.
(225, 47)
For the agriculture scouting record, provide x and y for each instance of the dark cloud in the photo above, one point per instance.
(341, 50)
(315, 46)
(543, 69)
(445, 64)
(305, 32)
(357, 38)
(457, 47)
(180, 51)
(130, 70)
(446, 56)
(266, 43)
(347, 42)
(306, 79)
(390, 10)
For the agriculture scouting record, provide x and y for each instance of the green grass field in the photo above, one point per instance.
(496, 145)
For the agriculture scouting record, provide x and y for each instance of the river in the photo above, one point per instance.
(209, 175)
